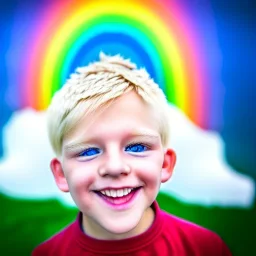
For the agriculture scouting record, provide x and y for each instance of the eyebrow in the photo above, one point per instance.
(144, 133)
(75, 145)
(78, 144)
(146, 136)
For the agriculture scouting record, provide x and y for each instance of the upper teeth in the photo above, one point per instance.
(117, 192)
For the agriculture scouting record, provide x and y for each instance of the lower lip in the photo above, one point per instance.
(120, 203)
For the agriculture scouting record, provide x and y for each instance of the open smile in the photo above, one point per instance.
(118, 198)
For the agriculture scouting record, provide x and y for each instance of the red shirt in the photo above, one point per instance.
(167, 236)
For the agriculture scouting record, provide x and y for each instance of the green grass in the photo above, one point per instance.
(26, 223)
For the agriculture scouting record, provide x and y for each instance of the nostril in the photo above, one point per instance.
(114, 170)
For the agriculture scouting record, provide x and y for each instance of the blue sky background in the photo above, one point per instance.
(235, 34)
(235, 25)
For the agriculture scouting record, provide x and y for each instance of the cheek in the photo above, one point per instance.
(149, 172)
(80, 184)
(80, 178)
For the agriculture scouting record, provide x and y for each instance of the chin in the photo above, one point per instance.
(122, 229)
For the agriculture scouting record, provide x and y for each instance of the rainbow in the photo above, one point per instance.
(155, 32)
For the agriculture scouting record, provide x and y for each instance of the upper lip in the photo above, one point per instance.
(116, 188)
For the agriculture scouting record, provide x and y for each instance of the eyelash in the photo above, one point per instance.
(148, 147)
(139, 143)
(87, 150)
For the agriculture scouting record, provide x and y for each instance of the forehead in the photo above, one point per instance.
(128, 114)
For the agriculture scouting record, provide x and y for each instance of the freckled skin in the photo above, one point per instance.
(114, 164)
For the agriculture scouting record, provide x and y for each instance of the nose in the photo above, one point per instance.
(114, 165)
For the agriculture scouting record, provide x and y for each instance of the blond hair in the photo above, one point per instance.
(97, 85)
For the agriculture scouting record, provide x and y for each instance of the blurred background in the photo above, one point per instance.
(201, 53)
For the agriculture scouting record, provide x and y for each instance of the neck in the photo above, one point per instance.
(93, 229)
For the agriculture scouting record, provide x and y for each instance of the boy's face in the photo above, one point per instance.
(113, 163)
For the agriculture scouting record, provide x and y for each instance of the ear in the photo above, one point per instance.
(168, 165)
(58, 174)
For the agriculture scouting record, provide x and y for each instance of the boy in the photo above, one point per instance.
(108, 126)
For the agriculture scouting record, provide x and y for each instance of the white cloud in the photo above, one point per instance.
(24, 168)
(201, 175)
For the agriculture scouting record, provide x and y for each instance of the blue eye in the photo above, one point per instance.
(90, 152)
(136, 148)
